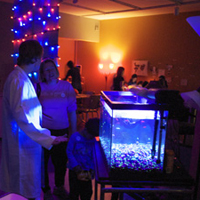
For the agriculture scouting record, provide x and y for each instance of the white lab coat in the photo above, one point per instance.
(22, 137)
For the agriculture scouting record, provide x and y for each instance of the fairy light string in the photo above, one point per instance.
(39, 20)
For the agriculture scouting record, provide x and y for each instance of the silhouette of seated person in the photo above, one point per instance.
(160, 84)
(133, 80)
(145, 83)
(140, 83)
(163, 82)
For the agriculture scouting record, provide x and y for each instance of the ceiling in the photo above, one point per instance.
(114, 9)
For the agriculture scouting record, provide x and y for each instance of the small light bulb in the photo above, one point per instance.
(100, 66)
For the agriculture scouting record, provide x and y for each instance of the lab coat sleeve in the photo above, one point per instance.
(26, 110)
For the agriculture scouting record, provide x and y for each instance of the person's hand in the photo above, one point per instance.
(92, 174)
(84, 176)
(60, 139)
(77, 169)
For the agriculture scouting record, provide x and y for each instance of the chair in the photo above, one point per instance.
(187, 128)
(89, 105)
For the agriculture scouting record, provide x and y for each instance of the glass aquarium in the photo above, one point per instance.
(132, 133)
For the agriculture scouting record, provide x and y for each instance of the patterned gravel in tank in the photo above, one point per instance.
(134, 156)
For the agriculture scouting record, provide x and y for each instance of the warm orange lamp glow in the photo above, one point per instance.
(100, 66)
(110, 58)
(105, 55)
(107, 68)
(115, 57)
(111, 66)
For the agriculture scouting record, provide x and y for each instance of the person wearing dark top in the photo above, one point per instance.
(74, 72)
(145, 83)
(163, 82)
(133, 80)
(118, 81)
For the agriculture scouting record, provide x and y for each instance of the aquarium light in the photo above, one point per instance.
(107, 108)
(134, 114)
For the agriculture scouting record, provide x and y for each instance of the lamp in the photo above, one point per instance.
(106, 69)
(110, 57)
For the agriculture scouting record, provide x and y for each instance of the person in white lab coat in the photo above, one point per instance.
(22, 135)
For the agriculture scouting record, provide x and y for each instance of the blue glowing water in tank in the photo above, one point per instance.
(132, 132)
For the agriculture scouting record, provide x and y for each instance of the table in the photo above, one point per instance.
(177, 182)
(82, 96)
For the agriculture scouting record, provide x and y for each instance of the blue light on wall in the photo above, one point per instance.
(39, 20)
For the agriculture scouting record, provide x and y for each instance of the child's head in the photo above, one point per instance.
(92, 126)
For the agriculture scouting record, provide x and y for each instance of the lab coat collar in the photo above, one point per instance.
(21, 70)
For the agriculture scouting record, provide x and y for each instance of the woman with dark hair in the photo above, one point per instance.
(133, 80)
(74, 72)
(22, 135)
(162, 81)
(118, 81)
(58, 101)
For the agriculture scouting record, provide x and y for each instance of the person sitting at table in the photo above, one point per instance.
(140, 83)
(145, 83)
(162, 81)
(58, 101)
(133, 80)
(74, 72)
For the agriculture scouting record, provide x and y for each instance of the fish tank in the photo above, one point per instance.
(132, 134)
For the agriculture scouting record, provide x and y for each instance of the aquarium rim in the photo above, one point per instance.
(125, 106)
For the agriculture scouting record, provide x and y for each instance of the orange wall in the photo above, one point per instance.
(88, 57)
(85, 54)
(162, 40)
(65, 53)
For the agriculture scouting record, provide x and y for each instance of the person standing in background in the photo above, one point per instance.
(22, 135)
(58, 100)
(74, 72)
(118, 81)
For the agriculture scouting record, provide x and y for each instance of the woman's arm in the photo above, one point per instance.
(73, 121)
